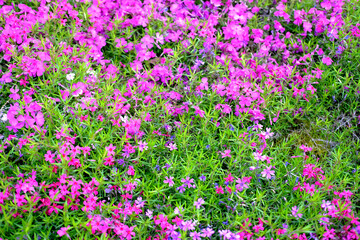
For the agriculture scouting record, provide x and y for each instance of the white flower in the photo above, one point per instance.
(4, 118)
(149, 213)
(178, 210)
(70, 76)
(91, 72)
(124, 119)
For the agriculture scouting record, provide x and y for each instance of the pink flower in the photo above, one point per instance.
(142, 146)
(159, 38)
(226, 153)
(110, 150)
(216, 3)
(198, 203)
(307, 26)
(147, 42)
(120, 42)
(199, 112)
(208, 232)
(294, 212)
(63, 230)
(219, 190)
(229, 178)
(14, 94)
(305, 148)
(131, 171)
(169, 180)
(327, 61)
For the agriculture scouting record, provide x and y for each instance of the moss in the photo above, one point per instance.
(311, 135)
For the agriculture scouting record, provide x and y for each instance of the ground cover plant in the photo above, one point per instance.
(187, 119)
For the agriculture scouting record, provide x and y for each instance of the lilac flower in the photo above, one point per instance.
(198, 203)
(120, 161)
(241, 185)
(208, 232)
(188, 225)
(175, 235)
(202, 178)
(108, 190)
(195, 235)
(325, 204)
(324, 221)
(225, 233)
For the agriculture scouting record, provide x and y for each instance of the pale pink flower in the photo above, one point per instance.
(267, 172)
(172, 146)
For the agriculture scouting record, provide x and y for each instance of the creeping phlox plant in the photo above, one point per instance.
(189, 119)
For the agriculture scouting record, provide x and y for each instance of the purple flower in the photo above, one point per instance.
(181, 189)
(202, 178)
(358, 229)
(120, 161)
(167, 166)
